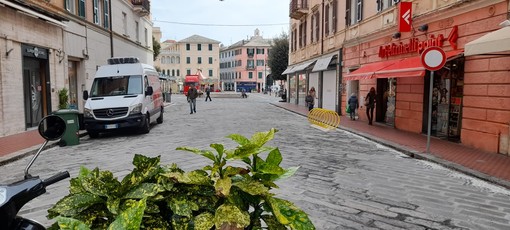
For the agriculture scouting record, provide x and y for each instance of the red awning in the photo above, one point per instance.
(368, 70)
(410, 67)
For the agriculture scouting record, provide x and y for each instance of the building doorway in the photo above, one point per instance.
(73, 84)
(34, 90)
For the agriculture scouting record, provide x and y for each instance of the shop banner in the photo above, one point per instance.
(405, 16)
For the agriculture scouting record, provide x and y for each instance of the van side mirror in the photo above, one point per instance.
(85, 95)
(149, 91)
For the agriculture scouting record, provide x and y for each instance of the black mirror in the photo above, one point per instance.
(85, 95)
(52, 127)
(149, 91)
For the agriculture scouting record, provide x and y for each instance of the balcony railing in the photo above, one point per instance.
(298, 8)
(250, 67)
(142, 7)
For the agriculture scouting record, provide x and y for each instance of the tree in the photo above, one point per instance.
(278, 58)
(156, 47)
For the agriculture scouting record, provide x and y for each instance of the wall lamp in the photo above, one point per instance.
(396, 35)
(423, 28)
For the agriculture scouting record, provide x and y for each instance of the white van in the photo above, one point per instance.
(125, 94)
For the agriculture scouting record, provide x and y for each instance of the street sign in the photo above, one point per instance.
(433, 58)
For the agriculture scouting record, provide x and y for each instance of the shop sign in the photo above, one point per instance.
(32, 51)
(405, 16)
(415, 45)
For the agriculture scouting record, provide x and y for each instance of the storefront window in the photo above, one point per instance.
(302, 89)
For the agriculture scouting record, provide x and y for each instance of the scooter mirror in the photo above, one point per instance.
(52, 127)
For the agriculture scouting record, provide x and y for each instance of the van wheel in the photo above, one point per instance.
(146, 128)
(93, 134)
(160, 118)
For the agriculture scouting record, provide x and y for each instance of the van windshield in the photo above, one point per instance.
(117, 85)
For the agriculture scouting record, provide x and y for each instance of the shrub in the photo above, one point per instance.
(219, 196)
(63, 99)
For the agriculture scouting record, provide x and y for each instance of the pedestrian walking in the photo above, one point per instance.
(310, 98)
(353, 105)
(370, 104)
(192, 98)
(208, 93)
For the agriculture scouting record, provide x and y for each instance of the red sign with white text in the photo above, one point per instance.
(405, 16)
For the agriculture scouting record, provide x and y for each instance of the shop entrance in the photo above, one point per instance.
(448, 87)
(386, 95)
(36, 84)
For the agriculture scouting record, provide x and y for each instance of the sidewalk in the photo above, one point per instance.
(491, 167)
(487, 166)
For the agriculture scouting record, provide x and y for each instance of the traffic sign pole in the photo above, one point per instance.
(432, 58)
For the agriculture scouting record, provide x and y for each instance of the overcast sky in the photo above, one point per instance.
(220, 20)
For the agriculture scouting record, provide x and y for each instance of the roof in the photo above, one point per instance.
(198, 39)
(253, 42)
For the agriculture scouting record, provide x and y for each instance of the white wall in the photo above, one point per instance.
(329, 87)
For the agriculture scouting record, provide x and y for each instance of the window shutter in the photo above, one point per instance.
(326, 20)
(348, 12)
(106, 14)
(334, 12)
(81, 8)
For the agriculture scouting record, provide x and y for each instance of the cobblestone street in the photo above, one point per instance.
(345, 181)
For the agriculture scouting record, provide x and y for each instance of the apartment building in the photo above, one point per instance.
(189, 56)
(379, 44)
(244, 65)
(50, 45)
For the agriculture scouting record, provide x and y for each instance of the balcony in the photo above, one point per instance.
(298, 8)
(141, 7)
(250, 67)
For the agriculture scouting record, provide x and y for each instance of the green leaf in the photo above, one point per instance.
(181, 223)
(274, 157)
(73, 204)
(205, 153)
(204, 221)
(289, 172)
(196, 177)
(101, 183)
(231, 215)
(239, 139)
(290, 215)
(144, 190)
(219, 149)
(113, 205)
(131, 218)
(272, 223)
(182, 206)
(222, 186)
(252, 187)
(142, 162)
(65, 223)
(145, 169)
(261, 138)
(231, 171)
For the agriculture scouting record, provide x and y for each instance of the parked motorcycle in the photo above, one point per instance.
(14, 196)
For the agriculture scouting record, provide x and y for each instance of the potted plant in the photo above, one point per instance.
(219, 196)
(63, 98)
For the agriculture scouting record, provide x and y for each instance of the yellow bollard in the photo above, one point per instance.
(324, 118)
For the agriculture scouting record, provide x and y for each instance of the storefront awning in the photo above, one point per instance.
(304, 65)
(33, 13)
(493, 42)
(323, 63)
(288, 70)
(366, 71)
(410, 67)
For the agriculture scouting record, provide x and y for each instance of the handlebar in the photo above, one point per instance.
(56, 178)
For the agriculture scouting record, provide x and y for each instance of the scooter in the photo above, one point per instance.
(14, 196)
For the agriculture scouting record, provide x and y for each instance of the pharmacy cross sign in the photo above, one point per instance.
(433, 58)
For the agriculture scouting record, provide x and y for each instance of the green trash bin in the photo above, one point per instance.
(71, 135)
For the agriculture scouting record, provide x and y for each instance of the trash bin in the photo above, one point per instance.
(71, 135)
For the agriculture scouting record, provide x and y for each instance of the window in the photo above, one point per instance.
(106, 7)
(326, 20)
(210, 60)
(173, 72)
(354, 12)
(260, 51)
(188, 47)
(188, 72)
(302, 34)
(95, 5)
(260, 75)
(124, 20)
(210, 73)
(317, 26)
(188, 60)
(359, 10)
(146, 36)
(199, 47)
(260, 62)
(334, 7)
(178, 72)
(250, 64)
(199, 60)
(137, 29)
(210, 46)
(250, 75)
(385, 4)
(76, 7)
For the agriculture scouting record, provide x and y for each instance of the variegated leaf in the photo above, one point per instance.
(204, 221)
(222, 186)
(65, 223)
(182, 206)
(144, 190)
(73, 204)
(252, 187)
(131, 218)
(231, 215)
(290, 215)
(197, 177)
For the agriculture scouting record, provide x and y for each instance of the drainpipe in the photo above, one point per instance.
(111, 27)
(340, 85)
